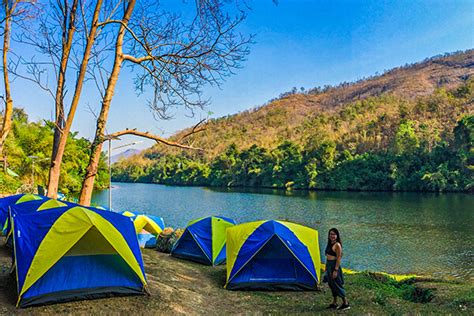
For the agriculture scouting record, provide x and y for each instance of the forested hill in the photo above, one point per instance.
(409, 110)
(290, 117)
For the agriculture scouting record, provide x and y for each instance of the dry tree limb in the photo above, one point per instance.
(199, 127)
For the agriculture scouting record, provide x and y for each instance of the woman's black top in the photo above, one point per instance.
(329, 251)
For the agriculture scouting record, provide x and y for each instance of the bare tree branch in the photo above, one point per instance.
(199, 127)
(148, 135)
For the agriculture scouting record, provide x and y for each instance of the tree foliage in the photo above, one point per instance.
(36, 139)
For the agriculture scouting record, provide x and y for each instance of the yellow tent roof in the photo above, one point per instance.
(146, 223)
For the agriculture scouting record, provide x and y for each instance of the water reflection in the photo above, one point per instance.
(420, 233)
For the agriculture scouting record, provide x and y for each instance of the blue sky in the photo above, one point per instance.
(297, 44)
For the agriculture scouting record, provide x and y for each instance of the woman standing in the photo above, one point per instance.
(334, 271)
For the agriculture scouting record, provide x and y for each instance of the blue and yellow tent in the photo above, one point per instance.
(204, 240)
(272, 255)
(148, 227)
(75, 253)
(27, 200)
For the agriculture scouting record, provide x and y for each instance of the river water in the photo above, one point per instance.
(421, 233)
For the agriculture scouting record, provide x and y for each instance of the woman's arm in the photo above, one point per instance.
(338, 250)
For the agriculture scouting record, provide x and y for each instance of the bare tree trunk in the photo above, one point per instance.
(67, 37)
(96, 148)
(7, 116)
(57, 155)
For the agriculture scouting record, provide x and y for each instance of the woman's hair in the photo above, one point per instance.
(338, 239)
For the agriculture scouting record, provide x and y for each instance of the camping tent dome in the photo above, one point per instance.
(52, 247)
(203, 240)
(147, 228)
(272, 255)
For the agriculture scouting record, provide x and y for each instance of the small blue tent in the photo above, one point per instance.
(272, 255)
(204, 240)
(75, 253)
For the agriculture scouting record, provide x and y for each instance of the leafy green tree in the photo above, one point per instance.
(35, 139)
(464, 147)
(288, 168)
(440, 180)
(311, 169)
(223, 167)
(406, 140)
(255, 167)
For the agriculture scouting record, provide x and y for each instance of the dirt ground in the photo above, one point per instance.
(176, 286)
(183, 287)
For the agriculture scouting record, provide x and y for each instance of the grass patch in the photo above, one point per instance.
(464, 300)
(386, 287)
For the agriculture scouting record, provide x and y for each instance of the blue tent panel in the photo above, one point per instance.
(27, 245)
(221, 257)
(67, 275)
(272, 257)
(273, 267)
(296, 246)
(251, 246)
(158, 220)
(227, 219)
(262, 234)
(198, 238)
(5, 203)
(11, 199)
(188, 248)
(202, 233)
(146, 240)
(31, 207)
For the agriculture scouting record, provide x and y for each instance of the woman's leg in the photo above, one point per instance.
(331, 281)
(339, 285)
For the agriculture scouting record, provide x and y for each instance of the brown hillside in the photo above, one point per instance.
(270, 124)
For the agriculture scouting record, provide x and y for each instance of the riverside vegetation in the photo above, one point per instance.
(384, 142)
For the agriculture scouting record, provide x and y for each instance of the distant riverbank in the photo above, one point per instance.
(295, 188)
